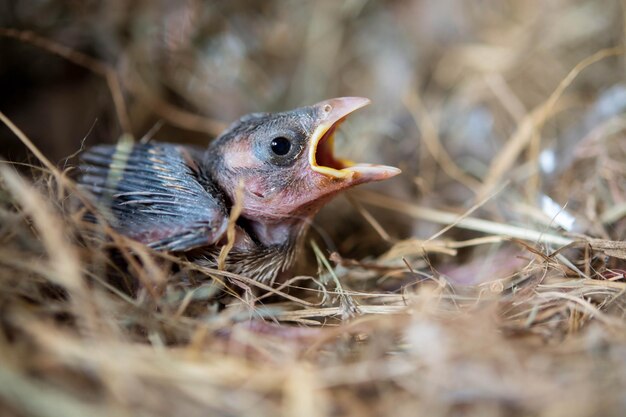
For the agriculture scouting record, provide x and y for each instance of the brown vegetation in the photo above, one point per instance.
(489, 280)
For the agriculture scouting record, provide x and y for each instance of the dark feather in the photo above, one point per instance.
(156, 194)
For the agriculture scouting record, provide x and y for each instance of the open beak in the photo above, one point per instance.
(321, 157)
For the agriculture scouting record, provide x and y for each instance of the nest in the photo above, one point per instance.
(489, 280)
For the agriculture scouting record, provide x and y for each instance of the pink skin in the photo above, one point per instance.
(314, 188)
(275, 201)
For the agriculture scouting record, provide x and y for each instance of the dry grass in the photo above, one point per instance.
(463, 290)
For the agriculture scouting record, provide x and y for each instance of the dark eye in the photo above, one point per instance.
(281, 146)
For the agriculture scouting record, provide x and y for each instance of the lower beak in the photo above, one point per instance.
(321, 158)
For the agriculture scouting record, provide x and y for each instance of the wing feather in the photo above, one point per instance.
(156, 194)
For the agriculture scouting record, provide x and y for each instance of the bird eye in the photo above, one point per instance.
(281, 146)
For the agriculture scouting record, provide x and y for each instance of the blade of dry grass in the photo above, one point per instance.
(63, 260)
(235, 212)
(431, 139)
(531, 125)
(41, 400)
(470, 223)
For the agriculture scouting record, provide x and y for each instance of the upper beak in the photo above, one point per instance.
(332, 113)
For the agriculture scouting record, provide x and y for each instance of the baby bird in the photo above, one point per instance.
(279, 167)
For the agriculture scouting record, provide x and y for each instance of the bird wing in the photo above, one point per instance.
(156, 194)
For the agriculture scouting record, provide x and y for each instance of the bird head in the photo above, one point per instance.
(286, 160)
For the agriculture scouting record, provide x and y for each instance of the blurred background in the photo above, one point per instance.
(451, 82)
(510, 111)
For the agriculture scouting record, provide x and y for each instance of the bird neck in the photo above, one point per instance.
(287, 233)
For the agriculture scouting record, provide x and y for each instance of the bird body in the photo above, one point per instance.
(178, 198)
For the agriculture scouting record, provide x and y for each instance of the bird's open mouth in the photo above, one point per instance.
(324, 160)
(321, 153)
